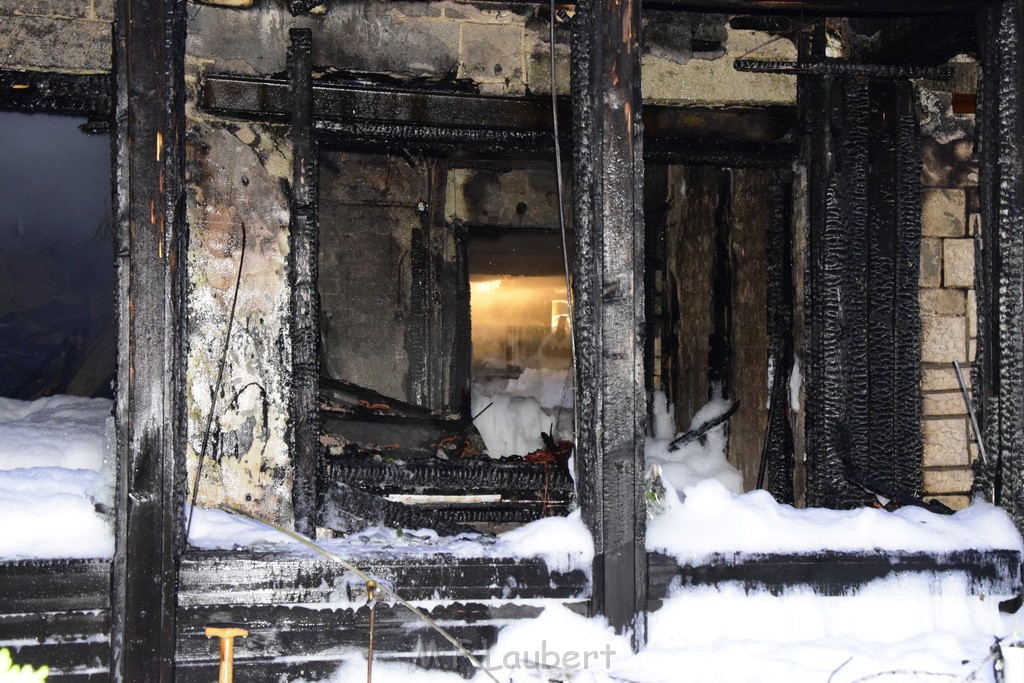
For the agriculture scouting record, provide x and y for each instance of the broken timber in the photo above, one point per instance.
(608, 302)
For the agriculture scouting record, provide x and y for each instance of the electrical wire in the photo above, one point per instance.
(381, 586)
(216, 385)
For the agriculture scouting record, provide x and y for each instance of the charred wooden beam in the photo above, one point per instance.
(838, 67)
(32, 92)
(305, 297)
(988, 572)
(449, 121)
(999, 370)
(148, 143)
(608, 302)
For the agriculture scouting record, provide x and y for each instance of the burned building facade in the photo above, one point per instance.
(812, 209)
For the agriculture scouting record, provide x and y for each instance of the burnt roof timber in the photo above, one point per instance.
(360, 115)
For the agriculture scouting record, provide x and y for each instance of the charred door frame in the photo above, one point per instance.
(148, 147)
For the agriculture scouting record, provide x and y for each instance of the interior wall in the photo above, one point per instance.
(369, 207)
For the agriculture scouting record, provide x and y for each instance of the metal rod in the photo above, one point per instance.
(970, 413)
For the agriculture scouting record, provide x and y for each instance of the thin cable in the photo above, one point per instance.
(381, 586)
(561, 227)
(779, 37)
(216, 386)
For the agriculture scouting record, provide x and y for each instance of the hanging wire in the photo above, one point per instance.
(780, 37)
(561, 226)
(216, 386)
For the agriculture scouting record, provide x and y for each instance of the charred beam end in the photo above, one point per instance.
(305, 299)
(31, 92)
(835, 67)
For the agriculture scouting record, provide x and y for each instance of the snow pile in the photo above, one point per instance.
(563, 543)
(713, 520)
(56, 475)
(521, 408)
(698, 460)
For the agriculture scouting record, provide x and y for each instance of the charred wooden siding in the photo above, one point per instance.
(305, 615)
(999, 370)
(57, 613)
(863, 375)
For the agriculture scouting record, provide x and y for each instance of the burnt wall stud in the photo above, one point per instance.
(999, 372)
(148, 147)
(609, 301)
(305, 298)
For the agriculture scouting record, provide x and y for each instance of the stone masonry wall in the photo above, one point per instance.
(71, 36)
(949, 225)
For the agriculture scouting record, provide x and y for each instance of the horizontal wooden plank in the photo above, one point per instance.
(53, 626)
(227, 578)
(991, 572)
(54, 585)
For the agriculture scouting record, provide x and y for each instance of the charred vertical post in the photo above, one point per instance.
(825, 367)
(907, 446)
(305, 298)
(778, 451)
(999, 373)
(608, 301)
(148, 148)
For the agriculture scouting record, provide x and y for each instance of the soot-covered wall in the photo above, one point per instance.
(238, 174)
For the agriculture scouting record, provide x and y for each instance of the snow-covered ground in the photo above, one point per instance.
(56, 478)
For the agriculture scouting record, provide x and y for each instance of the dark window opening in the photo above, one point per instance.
(57, 333)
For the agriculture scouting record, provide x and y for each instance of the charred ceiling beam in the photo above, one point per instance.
(608, 303)
(149, 201)
(447, 122)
